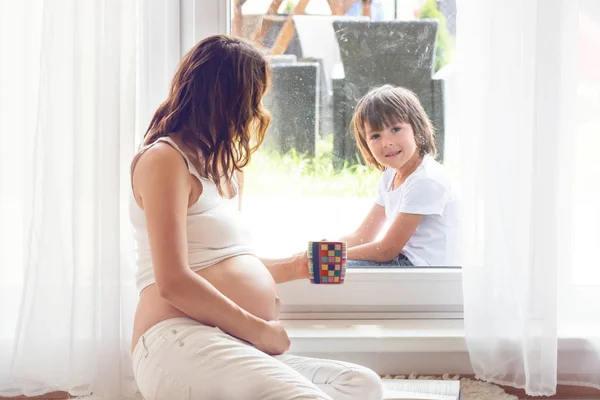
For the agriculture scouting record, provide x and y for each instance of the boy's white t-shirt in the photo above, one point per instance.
(428, 191)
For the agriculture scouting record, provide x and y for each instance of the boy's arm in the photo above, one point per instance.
(422, 197)
(392, 243)
(369, 228)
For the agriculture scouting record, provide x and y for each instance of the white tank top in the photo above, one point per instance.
(215, 228)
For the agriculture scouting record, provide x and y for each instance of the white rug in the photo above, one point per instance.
(470, 389)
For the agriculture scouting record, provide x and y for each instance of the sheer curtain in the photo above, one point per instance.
(67, 132)
(78, 84)
(529, 136)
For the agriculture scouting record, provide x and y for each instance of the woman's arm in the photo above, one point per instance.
(289, 268)
(369, 228)
(163, 185)
(296, 266)
(282, 269)
(391, 244)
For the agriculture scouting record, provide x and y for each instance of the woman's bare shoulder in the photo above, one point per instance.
(158, 163)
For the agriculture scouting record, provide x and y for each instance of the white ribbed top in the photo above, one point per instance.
(215, 228)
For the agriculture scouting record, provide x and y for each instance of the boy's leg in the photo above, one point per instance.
(340, 380)
(360, 264)
(400, 261)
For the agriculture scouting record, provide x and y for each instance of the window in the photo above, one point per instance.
(305, 183)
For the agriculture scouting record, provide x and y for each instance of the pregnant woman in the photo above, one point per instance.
(206, 325)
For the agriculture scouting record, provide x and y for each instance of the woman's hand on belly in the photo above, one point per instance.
(243, 280)
(274, 339)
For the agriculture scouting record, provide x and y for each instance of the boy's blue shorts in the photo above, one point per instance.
(400, 261)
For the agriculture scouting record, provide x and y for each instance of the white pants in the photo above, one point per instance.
(180, 358)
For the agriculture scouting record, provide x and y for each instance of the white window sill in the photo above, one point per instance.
(367, 336)
(395, 336)
(398, 346)
(391, 291)
(404, 346)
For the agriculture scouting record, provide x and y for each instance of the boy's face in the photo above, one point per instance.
(392, 146)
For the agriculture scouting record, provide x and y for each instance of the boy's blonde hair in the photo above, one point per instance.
(388, 105)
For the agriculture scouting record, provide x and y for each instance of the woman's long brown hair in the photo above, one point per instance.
(215, 106)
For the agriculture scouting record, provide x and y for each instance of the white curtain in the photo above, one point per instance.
(529, 99)
(166, 33)
(67, 133)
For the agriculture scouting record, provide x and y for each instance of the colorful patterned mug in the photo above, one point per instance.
(327, 262)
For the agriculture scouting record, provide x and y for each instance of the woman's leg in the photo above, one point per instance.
(340, 380)
(187, 361)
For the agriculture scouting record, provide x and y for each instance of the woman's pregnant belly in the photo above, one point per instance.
(244, 279)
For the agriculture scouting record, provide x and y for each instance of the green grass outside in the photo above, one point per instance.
(291, 174)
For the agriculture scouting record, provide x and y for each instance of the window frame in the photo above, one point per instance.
(367, 293)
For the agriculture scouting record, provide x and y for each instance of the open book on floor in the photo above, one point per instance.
(415, 389)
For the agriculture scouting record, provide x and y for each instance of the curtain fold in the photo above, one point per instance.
(67, 134)
(528, 133)
(79, 82)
